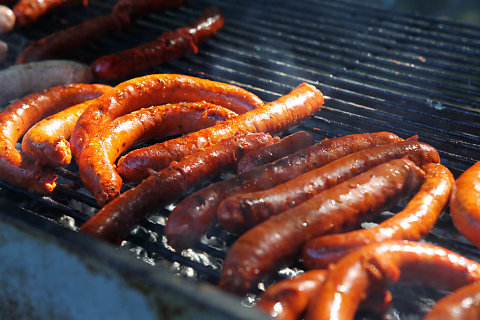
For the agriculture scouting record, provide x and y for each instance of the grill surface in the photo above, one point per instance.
(379, 72)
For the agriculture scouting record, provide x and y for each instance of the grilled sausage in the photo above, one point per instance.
(118, 217)
(46, 141)
(272, 117)
(198, 211)
(18, 81)
(7, 19)
(169, 46)
(278, 240)
(96, 163)
(29, 11)
(243, 211)
(21, 115)
(465, 204)
(280, 149)
(157, 89)
(462, 304)
(390, 261)
(412, 223)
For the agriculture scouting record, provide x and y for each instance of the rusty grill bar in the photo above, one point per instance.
(403, 73)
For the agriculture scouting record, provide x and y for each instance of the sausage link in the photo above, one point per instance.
(390, 261)
(7, 19)
(118, 217)
(465, 204)
(21, 115)
(198, 211)
(272, 117)
(96, 163)
(169, 46)
(278, 240)
(29, 11)
(412, 223)
(243, 211)
(462, 304)
(46, 141)
(157, 89)
(280, 149)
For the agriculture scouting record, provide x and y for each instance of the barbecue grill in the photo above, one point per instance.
(378, 70)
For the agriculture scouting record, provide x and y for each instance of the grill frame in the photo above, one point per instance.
(395, 83)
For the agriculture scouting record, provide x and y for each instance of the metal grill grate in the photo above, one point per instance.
(379, 71)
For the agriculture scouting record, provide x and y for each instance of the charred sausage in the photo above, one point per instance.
(21, 115)
(169, 46)
(412, 223)
(119, 216)
(96, 163)
(29, 11)
(390, 261)
(280, 149)
(465, 204)
(243, 211)
(198, 211)
(157, 89)
(278, 240)
(272, 117)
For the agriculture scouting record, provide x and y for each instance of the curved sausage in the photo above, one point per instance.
(18, 81)
(96, 163)
(272, 117)
(198, 212)
(462, 304)
(7, 19)
(243, 211)
(46, 141)
(21, 115)
(157, 89)
(390, 261)
(169, 46)
(29, 11)
(412, 223)
(118, 217)
(465, 204)
(278, 240)
(280, 149)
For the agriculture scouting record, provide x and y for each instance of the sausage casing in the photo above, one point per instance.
(29, 11)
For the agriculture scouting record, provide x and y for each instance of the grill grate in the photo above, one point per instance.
(379, 71)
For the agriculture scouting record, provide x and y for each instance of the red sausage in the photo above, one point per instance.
(157, 89)
(273, 117)
(29, 11)
(462, 304)
(412, 223)
(19, 116)
(280, 149)
(243, 211)
(197, 213)
(278, 240)
(96, 163)
(465, 204)
(391, 261)
(118, 217)
(169, 46)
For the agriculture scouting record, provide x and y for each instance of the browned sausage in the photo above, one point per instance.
(21, 115)
(390, 261)
(412, 223)
(157, 89)
(29, 11)
(465, 204)
(278, 240)
(96, 163)
(280, 149)
(118, 217)
(462, 304)
(273, 117)
(197, 213)
(46, 141)
(169, 46)
(243, 211)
